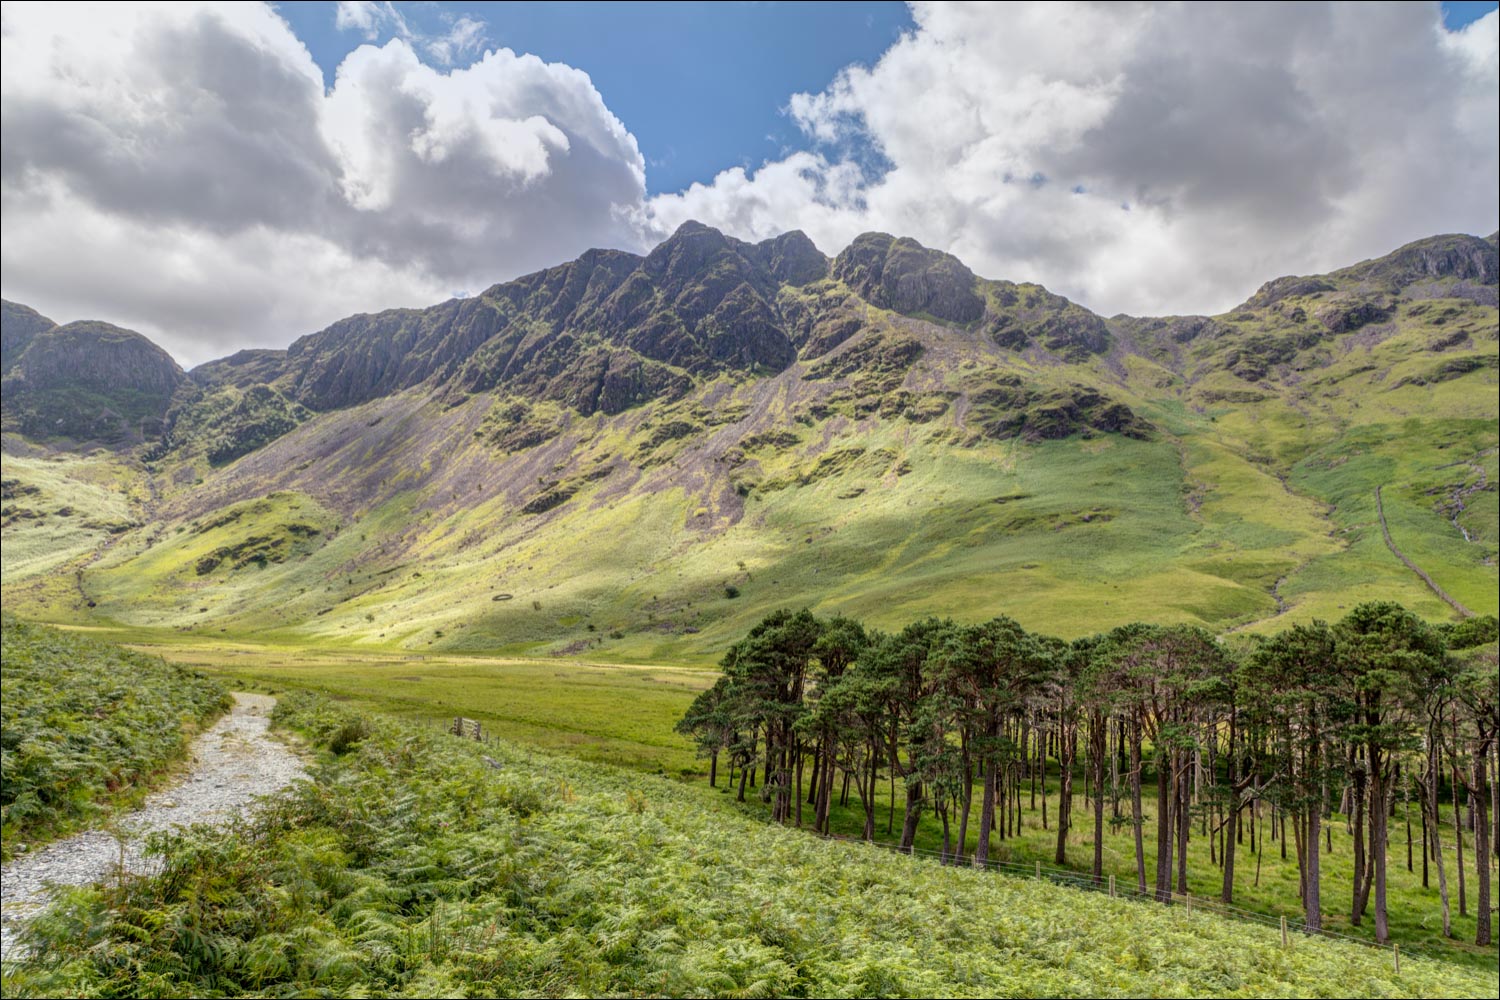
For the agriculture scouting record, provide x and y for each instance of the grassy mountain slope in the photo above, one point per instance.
(642, 456)
(57, 509)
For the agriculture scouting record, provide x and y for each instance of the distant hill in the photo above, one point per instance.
(649, 452)
(86, 381)
(19, 326)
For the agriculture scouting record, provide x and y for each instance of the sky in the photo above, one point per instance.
(221, 176)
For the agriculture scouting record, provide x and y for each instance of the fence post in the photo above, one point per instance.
(1039, 871)
(1286, 942)
(1397, 951)
(1187, 898)
(1111, 887)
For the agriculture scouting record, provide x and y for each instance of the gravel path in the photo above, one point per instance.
(233, 762)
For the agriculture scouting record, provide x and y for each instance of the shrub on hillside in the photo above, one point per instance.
(85, 720)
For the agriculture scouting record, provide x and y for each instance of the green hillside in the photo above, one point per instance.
(642, 456)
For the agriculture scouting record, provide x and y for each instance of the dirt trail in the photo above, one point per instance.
(233, 762)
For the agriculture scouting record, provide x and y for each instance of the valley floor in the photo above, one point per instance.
(623, 715)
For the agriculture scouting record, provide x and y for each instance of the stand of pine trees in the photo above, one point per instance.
(1355, 716)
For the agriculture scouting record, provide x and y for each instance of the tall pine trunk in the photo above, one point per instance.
(1481, 844)
(1361, 886)
(1379, 825)
(964, 808)
(1184, 821)
(1429, 805)
(1233, 820)
(1065, 802)
(1458, 836)
(1137, 821)
(913, 816)
(798, 780)
(986, 813)
(1164, 830)
(1097, 749)
(1312, 894)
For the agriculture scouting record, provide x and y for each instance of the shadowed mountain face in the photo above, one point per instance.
(86, 381)
(905, 276)
(603, 333)
(19, 326)
(611, 330)
(665, 447)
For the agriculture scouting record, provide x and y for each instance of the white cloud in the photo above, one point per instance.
(198, 293)
(1478, 42)
(181, 167)
(464, 37)
(370, 19)
(1142, 158)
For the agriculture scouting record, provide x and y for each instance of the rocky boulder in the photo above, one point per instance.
(1347, 314)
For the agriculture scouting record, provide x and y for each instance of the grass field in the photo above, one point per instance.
(61, 508)
(410, 866)
(1264, 881)
(1067, 537)
(623, 714)
(608, 713)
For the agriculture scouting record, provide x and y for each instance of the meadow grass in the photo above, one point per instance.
(61, 508)
(412, 866)
(1248, 515)
(1265, 882)
(609, 713)
(623, 714)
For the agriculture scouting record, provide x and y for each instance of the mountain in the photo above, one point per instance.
(19, 326)
(87, 381)
(649, 452)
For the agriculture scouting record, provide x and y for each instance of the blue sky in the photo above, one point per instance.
(274, 167)
(702, 86)
(1458, 14)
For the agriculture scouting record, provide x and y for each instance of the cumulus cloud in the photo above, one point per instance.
(1142, 158)
(183, 169)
